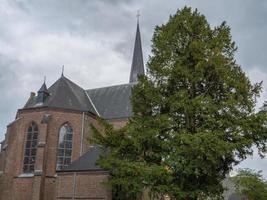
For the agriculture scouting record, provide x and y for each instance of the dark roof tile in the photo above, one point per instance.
(87, 162)
(113, 102)
(64, 94)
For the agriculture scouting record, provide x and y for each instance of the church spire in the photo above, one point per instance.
(42, 93)
(137, 67)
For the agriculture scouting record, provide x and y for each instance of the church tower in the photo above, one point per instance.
(137, 67)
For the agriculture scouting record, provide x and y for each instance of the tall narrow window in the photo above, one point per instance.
(64, 146)
(30, 148)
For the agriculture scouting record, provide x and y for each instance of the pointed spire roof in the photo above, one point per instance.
(43, 88)
(42, 94)
(137, 67)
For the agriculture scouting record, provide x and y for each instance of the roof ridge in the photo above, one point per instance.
(50, 100)
(88, 96)
(73, 91)
(132, 83)
(85, 93)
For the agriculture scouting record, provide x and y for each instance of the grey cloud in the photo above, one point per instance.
(77, 15)
(9, 78)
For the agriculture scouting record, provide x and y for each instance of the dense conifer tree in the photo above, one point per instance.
(194, 116)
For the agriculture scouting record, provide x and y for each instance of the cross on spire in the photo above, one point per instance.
(62, 73)
(138, 15)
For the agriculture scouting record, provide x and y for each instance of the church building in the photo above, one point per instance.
(46, 154)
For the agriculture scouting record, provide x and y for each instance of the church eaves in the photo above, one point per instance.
(137, 67)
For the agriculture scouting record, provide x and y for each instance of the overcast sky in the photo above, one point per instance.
(94, 40)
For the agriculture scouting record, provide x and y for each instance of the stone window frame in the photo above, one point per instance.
(30, 148)
(64, 146)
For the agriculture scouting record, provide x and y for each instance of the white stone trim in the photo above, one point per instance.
(41, 144)
(5, 146)
(38, 171)
(24, 175)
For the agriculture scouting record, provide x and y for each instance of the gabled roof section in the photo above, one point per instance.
(64, 94)
(87, 162)
(113, 102)
(137, 67)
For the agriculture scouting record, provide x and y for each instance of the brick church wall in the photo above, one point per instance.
(46, 154)
(22, 188)
(83, 185)
(118, 123)
(11, 148)
(1, 161)
(45, 185)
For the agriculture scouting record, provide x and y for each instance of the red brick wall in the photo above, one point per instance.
(44, 186)
(46, 156)
(118, 123)
(10, 161)
(22, 189)
(1, 161)
(82, 185)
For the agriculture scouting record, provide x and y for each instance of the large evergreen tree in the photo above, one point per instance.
(194, 116)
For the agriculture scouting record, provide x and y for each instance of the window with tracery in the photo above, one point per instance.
(30, 148)
(64, 146)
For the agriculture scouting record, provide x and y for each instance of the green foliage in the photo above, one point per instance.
(194, 116)
(251, 184)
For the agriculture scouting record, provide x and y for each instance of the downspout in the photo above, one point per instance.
(82, 135)
(74, 186)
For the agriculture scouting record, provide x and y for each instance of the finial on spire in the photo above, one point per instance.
(138, 15)
(44, 79)
(137, 67)
(62, 73)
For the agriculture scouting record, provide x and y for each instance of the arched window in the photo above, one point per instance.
(64, 146)
(30, 148)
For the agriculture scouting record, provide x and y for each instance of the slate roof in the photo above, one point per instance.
(137, 67)
(64, 94)
(87, 162)
(43, 88)
(113, 102)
